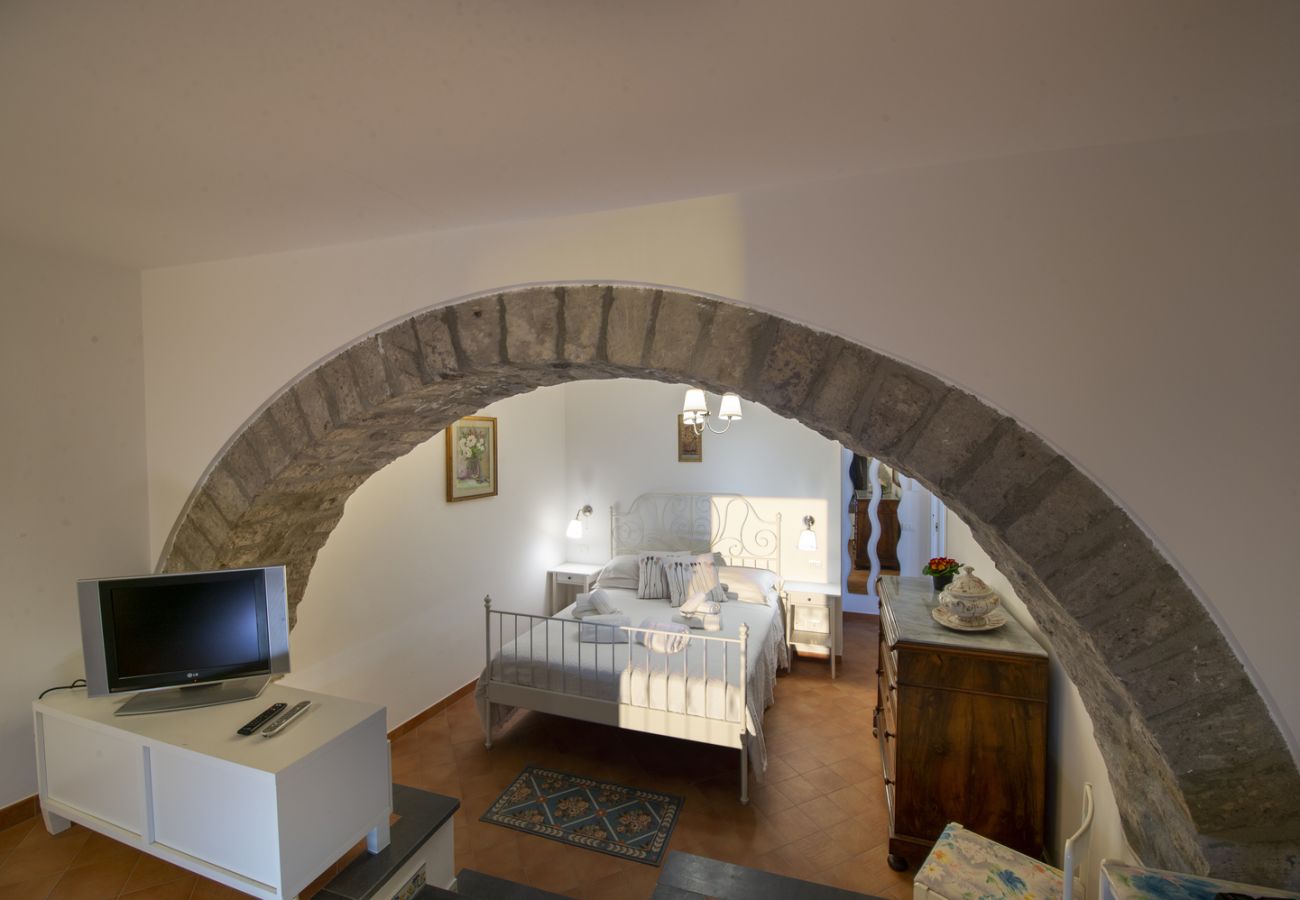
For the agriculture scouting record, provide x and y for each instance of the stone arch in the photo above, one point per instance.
(1204, 780)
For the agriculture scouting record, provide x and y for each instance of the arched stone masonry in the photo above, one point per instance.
(1202, 775)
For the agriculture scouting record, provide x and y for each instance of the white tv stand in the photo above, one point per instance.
(265, 816)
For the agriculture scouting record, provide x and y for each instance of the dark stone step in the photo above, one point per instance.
(421, 813)
(697, 876)
(478, 886)
(429, 892)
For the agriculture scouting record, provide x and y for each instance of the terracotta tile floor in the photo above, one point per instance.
(819, 815)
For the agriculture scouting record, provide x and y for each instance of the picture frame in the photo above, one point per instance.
(690, 444)
(472, 461)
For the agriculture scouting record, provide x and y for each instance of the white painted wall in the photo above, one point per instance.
(622, 442)
(1073, 757)
(72, 471)
(393, 612)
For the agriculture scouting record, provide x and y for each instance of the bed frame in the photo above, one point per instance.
(727, 524)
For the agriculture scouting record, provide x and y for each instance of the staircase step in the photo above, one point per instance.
(479, 886)
(698, 876)
(429, 892)
(421, 813)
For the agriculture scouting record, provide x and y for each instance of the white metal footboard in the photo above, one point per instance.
(530, 664)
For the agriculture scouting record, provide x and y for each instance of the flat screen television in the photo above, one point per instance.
(184, 640)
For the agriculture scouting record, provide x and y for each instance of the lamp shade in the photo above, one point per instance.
(574, 530)
(694, 403)
(730, 408)
(808, 537)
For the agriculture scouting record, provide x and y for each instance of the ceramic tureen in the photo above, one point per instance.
(968, 599)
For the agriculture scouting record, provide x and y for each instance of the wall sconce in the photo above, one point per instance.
(695, 412)
(808, 537)
(574, 530)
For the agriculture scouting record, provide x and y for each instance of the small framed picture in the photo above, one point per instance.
(472, 458)
(690, 444)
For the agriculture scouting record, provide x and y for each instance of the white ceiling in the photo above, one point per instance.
(156, 132)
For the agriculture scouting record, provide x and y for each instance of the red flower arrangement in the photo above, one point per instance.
(940, 566)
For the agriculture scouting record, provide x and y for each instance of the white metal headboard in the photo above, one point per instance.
(727, 524)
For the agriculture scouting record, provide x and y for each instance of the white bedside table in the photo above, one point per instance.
(569, 579)
(814, 617)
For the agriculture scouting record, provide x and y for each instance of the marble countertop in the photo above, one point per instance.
(910, 601)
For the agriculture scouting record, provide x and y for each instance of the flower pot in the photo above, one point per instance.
(941, 581)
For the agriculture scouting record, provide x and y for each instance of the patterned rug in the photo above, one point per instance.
(622, 821)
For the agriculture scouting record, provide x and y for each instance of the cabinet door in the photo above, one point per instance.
(94, 771)
(218, 812)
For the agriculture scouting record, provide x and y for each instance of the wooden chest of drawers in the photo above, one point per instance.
(962, 723)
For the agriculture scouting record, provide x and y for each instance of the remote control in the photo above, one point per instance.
(261, 718)
(278, 725)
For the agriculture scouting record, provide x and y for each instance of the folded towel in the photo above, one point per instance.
(674, 642)
(595, 603)
(708, 608)
(605, 629)
(712, 622)
(732, 596)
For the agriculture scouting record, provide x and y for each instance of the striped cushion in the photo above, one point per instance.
(650, 582)
(691, 581)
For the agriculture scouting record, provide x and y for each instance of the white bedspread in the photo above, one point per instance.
(702, 680)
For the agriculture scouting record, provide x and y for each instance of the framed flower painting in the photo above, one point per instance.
(472, 458)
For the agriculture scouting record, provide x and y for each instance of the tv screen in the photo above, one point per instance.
(161, 631)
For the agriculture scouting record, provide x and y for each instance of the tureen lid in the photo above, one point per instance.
(967, 587)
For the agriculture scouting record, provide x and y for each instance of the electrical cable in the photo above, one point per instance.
(80, 682)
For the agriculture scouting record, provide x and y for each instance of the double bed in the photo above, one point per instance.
(710, 687)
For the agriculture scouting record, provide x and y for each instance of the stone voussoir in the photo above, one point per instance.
(790, 368)
(946, 447)
(894, 402)
(584, 317)
(679, 329)
(438, 359)
(532, 323)
(478, 325)
(841, 390)
(628, 323)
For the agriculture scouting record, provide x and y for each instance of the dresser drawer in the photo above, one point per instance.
(571, 578)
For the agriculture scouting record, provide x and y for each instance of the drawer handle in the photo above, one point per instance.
(893, 687)
(888, 781)
(890, 735)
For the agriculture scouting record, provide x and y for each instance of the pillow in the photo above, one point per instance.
(748, 584)
(650, 584)
(691, 581)
(619, 572)
(595, 603)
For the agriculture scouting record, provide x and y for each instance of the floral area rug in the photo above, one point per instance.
(626, 822)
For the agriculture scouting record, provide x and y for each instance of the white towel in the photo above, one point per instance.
(603, 629)
(674, 642)
(595, 603)
(712, 622)
(708, 608)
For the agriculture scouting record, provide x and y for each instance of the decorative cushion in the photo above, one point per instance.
(691, 581)
(651, 584)
(963, 864)
(619, 572)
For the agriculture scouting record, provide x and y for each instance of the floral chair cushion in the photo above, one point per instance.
(965, 866)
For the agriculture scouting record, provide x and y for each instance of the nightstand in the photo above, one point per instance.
(814, 618)
(567, 581)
